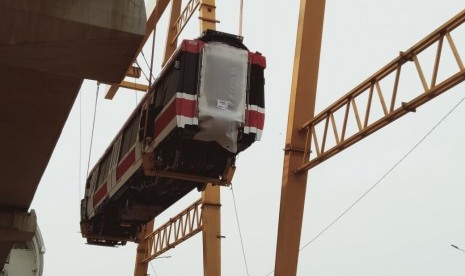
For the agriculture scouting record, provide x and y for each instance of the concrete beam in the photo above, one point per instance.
(84, 39)
(17, 227)
(34, 107)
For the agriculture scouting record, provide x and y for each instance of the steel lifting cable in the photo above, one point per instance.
(240, 233)
(153, 53)
(145, 75)
(241, 13)
(80, 145)
(389, 171)
(148, 66)
(93, 127)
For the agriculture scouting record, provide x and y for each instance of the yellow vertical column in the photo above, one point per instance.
(207, 15)
(211, 212)
(302, 104)
(171, 40)
(211, 234)
(141, 268)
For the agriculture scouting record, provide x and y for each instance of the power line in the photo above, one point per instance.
(456, 247)
(153, 269)
(381, 179)
(239, 228)
(384, 176)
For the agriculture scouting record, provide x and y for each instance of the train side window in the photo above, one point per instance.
(104, 167)
(115, 153)
(93, 181)
(129, 137)
(171, 85)
(160, 93)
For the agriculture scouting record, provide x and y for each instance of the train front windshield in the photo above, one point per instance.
(222, 94)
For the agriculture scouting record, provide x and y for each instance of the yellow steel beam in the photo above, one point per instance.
(178, 229)
(142, 249)
(134, 72)
(188, 222)
(211, 234)
(140, 267)
(302, 105)
(185, 16)
(134, 86)
(226, 181)
(207, 15)
(211, 196)
(151, 23)
(171, 40)
(125, 84)
(429, 89)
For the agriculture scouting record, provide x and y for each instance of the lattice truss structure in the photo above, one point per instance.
(435, 62)
(178, 229)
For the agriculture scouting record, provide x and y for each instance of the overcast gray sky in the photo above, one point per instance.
(403, 227)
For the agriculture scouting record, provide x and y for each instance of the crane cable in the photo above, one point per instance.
(240, 234)
(93, 127)
(381, 179)
(143, 72)
(241, 13)
(80, 146)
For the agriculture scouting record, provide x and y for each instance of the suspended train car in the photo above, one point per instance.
(206, 106)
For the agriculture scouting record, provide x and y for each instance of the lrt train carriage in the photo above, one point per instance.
(206, 106)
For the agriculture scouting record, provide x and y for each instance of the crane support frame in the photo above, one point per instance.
(178, 229)
(317, 151)
(209, 221)
(211, 214)
(172, 39)
(141, 267)
(302, 105)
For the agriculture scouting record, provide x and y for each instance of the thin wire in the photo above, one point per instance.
(153, 269)
(241, 10)
(240, 233)
(80, 145)
(147, 78)
(385, 175)
(135, 91)
(381, 179)
(93, 127)
(147, 63)
(153, 53)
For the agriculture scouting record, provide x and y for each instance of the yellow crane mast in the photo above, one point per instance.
(313, 139)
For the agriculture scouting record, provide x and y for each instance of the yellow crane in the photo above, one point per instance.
(311, 139)
(308, 141)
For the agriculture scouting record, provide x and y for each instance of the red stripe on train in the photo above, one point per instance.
(101, 192)
(257, 59)
(181, 107)
(126, 164)
(255, 119)
(192, 46)
(186, 107)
